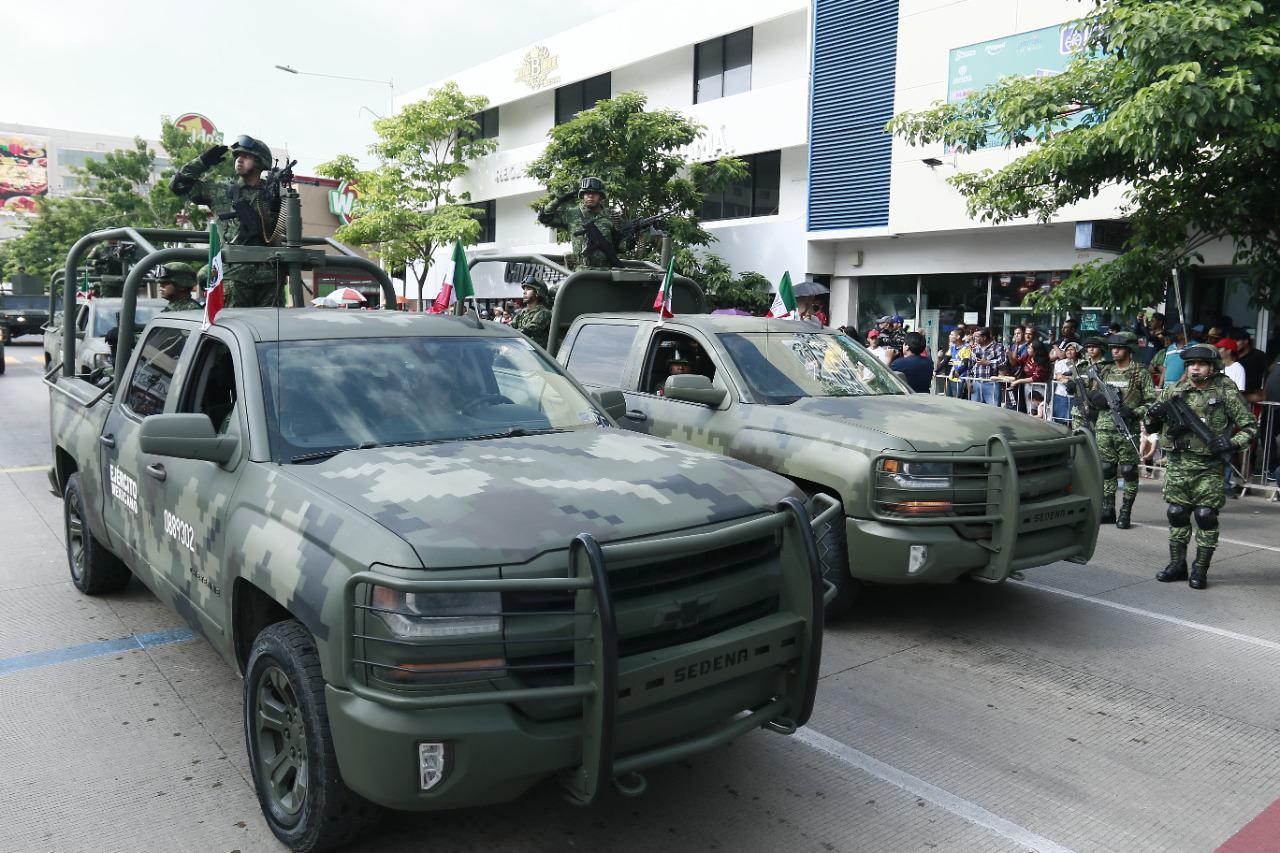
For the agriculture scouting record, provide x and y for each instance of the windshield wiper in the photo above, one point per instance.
(509, 432)
(326, 454)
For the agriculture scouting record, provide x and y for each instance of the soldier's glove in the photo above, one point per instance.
(1098, 400)
(214, 155)
(1159, 412)
(1221, 446)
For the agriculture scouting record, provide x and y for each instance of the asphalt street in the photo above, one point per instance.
(1086, 708)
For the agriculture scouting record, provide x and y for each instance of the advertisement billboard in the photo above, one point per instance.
(1039, 53)
(24, 172)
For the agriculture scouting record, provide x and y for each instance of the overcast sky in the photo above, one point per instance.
(116, 68)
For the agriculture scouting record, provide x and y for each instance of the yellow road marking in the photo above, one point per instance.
(25, 469)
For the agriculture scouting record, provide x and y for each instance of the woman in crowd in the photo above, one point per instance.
(1063, 371)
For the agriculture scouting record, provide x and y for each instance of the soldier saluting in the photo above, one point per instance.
(593, 229)
(1194, 416)
(247, 211)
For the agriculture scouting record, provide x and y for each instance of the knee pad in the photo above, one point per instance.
(1128, 472)
(1178, 515)
(1108, 470)
(1206, 518)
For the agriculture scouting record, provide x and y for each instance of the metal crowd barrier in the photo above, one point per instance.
(1260, 459)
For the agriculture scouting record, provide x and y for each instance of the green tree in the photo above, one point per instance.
(407, 207)
(639, 155)
(1177, 101)
(181, 149)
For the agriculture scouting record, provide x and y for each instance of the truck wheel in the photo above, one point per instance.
(833, 556)
(286, 726)
(94, 569)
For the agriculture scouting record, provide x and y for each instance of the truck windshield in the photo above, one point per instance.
(325, 396)
(780, 368)
(108, 317)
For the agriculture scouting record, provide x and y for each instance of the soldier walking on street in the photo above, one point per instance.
(534, 322)
(247, 213)
(593, 229)
(1118, 450)
(1083, 416)
(176, 281)
(1193, 479)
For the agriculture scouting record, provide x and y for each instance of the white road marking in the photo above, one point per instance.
(1249, 544)
(1163, 617)
(958, 806)
(24, 469)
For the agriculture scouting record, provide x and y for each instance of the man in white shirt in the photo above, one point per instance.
(1230, 366)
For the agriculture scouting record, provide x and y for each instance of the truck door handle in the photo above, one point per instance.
(155, 469)
(107, 440)
(636, 415)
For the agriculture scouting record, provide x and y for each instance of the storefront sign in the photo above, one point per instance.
(199, 128)
(536, 67)
(24, 172)
(1039, 53)
(513, 172)
(342, 202)
(710, 145)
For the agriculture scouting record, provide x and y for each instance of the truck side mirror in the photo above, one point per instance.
(612, 401)
(693, 388)
(186, 436)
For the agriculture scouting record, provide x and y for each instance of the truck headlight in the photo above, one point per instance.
(451, 614)
(440, 637)
(21, 319)
(917, 475)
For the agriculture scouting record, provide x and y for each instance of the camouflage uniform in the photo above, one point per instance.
(183, 277)
(1193, 485)
(246, 285)
(574, 219)
(1083, 416)
(1117, 454)
(534, 322)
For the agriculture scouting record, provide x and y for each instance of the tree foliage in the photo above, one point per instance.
(1178, 102)
(749, 292)
(114, 191)
(639, 154)
(406, 206)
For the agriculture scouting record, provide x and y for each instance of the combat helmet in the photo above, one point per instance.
(254, 147)
(533, 282)
(1124, 339)
(178, 273)
(1095, 341)
(1200, 352)
(590, 184)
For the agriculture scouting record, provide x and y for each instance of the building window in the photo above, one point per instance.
(600, 351)
(488, 121)
(583, 95)
(488, 220)
(722, 67)
(755, 195)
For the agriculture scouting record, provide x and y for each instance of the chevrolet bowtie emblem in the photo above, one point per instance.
(686, 613)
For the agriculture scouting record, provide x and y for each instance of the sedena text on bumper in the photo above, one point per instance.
(606, 708)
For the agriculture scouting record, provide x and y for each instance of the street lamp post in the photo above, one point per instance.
(390, 84)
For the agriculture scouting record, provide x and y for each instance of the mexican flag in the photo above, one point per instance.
(784, 302)
(215, 291)
(662, 302)
(459, 288)
(84, 291)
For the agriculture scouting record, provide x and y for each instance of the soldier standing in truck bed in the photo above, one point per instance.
(247, 215)
(579, 219)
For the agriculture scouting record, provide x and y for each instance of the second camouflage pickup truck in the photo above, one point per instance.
(443, 570)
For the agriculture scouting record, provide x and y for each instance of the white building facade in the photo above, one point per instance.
(809, 85)
(739, 69)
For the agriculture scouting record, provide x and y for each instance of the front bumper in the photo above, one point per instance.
(636, 712)
(1014, 530)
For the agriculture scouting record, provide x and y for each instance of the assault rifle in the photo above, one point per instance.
(278, 178)
(600, 243)
(644, 223)
(1179, 419)
(1115, 404)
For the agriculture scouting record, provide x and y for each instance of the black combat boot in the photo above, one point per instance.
(1200, 568)
(1126, 510)
(1177, 568)
(1108, 510)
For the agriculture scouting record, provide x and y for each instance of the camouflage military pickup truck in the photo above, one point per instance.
(444, 572)
(931, 489)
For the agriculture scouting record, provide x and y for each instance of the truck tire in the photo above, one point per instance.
(94, 569)
(833, 556)
(286, 726)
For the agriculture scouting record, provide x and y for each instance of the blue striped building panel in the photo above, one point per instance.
(855, 46)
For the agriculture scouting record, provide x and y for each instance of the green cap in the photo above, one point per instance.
(1124, 339)
(178, 273)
